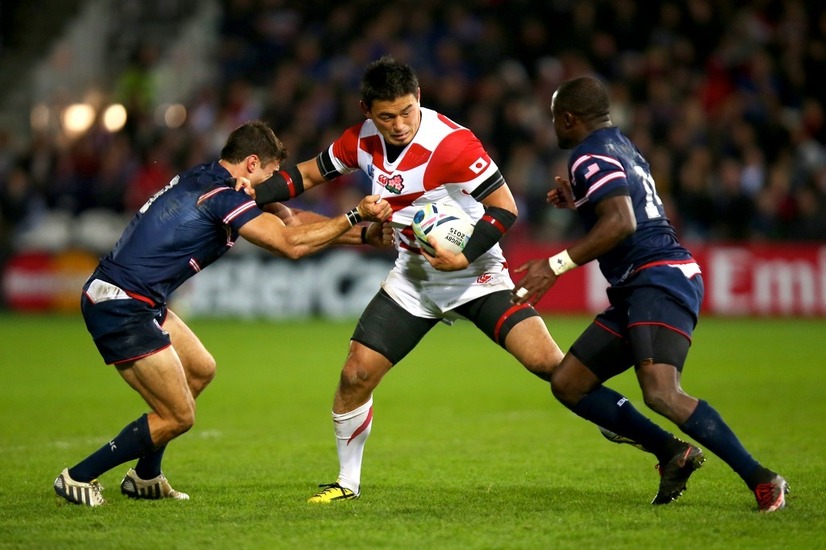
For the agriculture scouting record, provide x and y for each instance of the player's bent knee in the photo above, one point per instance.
(564, 391)
(658, 400)
(182, 423)
(201, 377)
(357, 376)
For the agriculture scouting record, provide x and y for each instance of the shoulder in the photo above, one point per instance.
(601, 150)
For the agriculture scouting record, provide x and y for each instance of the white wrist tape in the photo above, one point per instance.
(561, 263)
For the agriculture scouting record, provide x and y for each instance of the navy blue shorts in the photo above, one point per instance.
(651, 317)
(124, 328)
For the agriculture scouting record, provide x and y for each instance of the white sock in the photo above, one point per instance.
(352, 429)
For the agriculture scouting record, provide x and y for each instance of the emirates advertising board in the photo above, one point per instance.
(786, 279)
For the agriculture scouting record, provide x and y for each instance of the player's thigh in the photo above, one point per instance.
(387, 329)
(197, 362)
(603, 348)
(160, 379)
(518, 329)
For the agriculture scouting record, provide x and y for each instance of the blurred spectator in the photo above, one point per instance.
(726, 99)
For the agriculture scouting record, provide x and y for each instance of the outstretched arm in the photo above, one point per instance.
(298, 240)
(615, 222)
(378, 234)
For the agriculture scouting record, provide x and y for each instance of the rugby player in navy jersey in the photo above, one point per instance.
(655, 294)
(181, 230)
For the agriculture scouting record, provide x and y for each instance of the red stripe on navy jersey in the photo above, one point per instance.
(205, 196)
(238, 211)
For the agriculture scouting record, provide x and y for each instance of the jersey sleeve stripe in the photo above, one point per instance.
(238, 211)
(603, 181)
(586, 158)
(212, 193)
(491, 184)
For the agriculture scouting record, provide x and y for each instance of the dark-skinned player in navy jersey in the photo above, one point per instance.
(655, 294)
(181, 230)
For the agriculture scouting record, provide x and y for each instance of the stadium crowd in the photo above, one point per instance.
(725, 98)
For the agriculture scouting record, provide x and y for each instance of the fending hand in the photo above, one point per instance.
(537, 280)
(243, 184)
(379, 235)
(373, 208)
(561, 196)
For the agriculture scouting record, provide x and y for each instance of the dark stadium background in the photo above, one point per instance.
(725, 98)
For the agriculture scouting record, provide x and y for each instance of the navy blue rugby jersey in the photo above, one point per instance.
(606, 164)
(183, 228)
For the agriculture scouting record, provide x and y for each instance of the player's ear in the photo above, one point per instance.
(365, 110)
(419, 96)
(252, 162)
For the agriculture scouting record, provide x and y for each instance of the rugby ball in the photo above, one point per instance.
(450, 226)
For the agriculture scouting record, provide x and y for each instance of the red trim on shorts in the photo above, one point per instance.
(143, 299)
(664, 262)
(363, 426)
(669, 327)
(600, 325)
(511, 310)
(141, 356)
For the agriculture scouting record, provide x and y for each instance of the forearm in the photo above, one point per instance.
(355, 236)
(308, 238)
(615, 222)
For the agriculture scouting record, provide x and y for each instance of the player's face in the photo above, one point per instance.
(560, 127)
(263, 172)
(397, 120)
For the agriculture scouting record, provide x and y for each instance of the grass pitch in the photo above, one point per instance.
(467, 449)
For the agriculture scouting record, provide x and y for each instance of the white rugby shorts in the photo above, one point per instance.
(435, 296)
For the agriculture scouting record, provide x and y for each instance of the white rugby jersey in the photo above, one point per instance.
(444, 163)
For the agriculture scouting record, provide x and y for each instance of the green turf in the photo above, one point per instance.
(467, 450)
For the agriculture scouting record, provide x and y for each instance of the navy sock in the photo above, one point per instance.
(707, 427)
(609, 409)
(149, 465)
(132, 442)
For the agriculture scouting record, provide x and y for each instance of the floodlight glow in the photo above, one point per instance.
(114, 117)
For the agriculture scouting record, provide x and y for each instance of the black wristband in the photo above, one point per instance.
(282, 186)
(353, 216)
(363, 234)
(489, 229)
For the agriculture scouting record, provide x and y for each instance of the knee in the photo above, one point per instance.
(658, 400)
(356, 374)
(183, 421)
(564, 390)
(200, 375)
(542, 361)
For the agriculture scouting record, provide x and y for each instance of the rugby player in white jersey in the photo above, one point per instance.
(414, 155)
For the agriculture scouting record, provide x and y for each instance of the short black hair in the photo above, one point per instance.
(585, 97)
(253, 138)
(387, 79)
